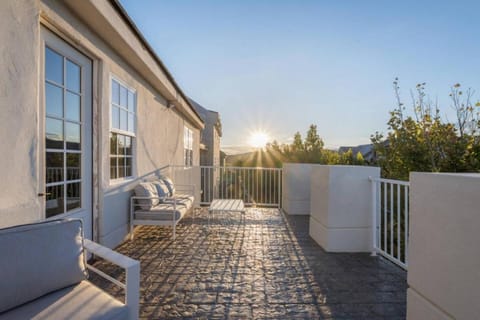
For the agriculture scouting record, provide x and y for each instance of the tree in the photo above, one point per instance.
(424, 141)
(313, 145)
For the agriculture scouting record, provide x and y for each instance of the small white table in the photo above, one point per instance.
(226, 205)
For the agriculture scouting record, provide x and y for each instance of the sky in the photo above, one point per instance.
(279, 66)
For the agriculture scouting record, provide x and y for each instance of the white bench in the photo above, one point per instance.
(152, 204)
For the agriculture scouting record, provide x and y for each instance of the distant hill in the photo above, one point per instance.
(233, 150)
(233, 159)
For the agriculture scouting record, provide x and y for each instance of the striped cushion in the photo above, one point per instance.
(170, 185)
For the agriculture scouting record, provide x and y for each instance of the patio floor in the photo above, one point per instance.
(263, 267)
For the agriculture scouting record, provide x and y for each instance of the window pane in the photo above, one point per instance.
(131, 101)
(128, 145)
(115, 117)
(121, 167)
(123, 96)
(115, 92)
(73, 166)
(72, 107)
(113, 168)
(54, 167)
(128, 167)
(72, 135)
(54, 100)
(131, 125)
(113, 143)
(73, 76)
(53, 133)
(123, 120)
(121, 144)
(73, 195)
(53, 66)
(54, 200)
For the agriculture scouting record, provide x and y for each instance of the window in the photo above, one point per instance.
(122, 130)
(187, 146)
(63, 129)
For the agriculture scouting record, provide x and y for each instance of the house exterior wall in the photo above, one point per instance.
(159, 130)
(216, 148)
(211, 139)
(19, 63)
(210, 135)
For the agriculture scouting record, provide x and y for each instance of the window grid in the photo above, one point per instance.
(63, 147)
(122, 130)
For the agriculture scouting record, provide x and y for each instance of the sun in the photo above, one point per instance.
(258, 139)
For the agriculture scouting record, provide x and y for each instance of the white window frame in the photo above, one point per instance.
(187, 145)
(131, 134)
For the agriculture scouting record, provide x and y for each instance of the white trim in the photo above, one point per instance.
(122, 82)
(132, 135)
(69, 53)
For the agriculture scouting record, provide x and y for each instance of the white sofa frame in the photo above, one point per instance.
(173, 222)
(132, 274)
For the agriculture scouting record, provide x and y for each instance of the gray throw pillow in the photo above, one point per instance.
(147, 189)
(38, 259)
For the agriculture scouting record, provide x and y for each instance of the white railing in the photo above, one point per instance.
(55, 174)
(390, 219)
(255, 186)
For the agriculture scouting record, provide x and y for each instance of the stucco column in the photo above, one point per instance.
(341, 206)
(296, 188)
(444, 252)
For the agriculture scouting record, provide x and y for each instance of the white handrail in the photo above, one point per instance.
(132, 274)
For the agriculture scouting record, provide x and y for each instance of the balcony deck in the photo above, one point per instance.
(265, 266)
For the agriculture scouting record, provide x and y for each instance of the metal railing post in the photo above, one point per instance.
(374, 216)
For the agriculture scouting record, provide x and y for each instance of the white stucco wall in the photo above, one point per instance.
(19, 66)
(444, 259)
(296, 188)
(341, 207)
(159, 136)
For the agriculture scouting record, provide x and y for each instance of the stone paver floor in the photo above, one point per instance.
(264, 266)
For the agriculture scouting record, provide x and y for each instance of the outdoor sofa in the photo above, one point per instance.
(44, 271)
(160, 202)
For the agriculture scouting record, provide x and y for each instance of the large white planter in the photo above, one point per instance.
(296, 188)
(341, 207)
(444, 247)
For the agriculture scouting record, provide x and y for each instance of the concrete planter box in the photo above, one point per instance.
(444, 259)
(341, 207)
(296, 188)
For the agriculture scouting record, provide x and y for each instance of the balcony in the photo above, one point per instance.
(316, 242)
(265, 265)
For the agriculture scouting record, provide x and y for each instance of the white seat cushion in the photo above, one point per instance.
(81, 301)
(163, 211)
(183, 200)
